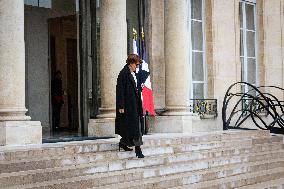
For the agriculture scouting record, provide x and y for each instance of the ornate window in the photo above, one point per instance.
(197, 50)
(248, 54)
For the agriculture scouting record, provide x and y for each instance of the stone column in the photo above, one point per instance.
(14, 125)
(177, 118)
(113, 51)
(12, 56)
(113, 54)
(177, 57)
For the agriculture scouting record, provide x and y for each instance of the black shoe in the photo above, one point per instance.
(124, 147)
(138, 152)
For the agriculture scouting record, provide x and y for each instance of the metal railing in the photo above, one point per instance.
(265, 109)
(205, 108)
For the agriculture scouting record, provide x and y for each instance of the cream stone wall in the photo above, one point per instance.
(209, 48)
(156, 51)
(225, 48)
(273, 47)
(282, 39)
(260, 42)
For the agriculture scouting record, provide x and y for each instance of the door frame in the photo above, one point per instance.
(83, 68)
(88, 55)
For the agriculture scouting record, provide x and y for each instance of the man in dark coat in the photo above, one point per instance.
(129, 112)
(57, 100)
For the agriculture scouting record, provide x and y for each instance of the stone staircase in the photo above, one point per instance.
(231, 159)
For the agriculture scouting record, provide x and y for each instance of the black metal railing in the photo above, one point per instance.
(257, 106)
(265, 109)
(205, 108)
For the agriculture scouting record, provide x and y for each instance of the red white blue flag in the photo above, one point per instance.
(143, 73)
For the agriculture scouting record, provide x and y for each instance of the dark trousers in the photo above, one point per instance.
(56, 108)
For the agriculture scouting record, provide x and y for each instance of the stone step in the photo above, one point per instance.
(75, 159)
(179, 181)
(92, 168)
(148, 169)
(8, 153)
(242, 179)
(272, 184)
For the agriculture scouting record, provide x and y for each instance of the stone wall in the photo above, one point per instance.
(156, 51)
(273, 46)
(37, 66)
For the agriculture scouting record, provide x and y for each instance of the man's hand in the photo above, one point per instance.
(121, 111)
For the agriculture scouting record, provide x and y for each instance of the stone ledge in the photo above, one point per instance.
(181, 124)
(16, 133)
(103, 127)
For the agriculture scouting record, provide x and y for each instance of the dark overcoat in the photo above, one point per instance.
(128, 97)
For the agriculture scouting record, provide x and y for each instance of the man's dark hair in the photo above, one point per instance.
(58, 72)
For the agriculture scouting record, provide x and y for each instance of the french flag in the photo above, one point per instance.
(143, 73)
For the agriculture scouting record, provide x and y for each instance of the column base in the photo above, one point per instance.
(13, 114)
(104, 127)
(171, 124)
(106, 113)
(178, 111)
(182, 124)
(20, 133)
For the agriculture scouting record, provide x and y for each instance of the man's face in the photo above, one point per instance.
(59, 76)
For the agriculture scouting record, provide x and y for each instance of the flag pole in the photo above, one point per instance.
(141, 18)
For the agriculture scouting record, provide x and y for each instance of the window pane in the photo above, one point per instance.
(251, 90)
(31, 2)
(251, 71)
(241, 14)
(198, 90)
(197, 36)
(243, 69)
(197, 66)
(242, 43)
(250, 16)
(242, 88)
(196, 9)
(250, 44)
(45, 3)
(77, 5)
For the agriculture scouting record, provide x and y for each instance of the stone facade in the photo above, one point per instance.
(222, 32)
(167, 32)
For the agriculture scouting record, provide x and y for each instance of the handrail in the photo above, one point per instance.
(265, 109)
